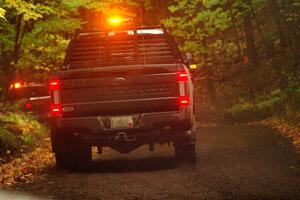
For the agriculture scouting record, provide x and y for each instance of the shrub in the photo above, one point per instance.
(19, 131)
(284, 104)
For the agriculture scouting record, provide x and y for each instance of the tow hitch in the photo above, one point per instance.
(124, 137)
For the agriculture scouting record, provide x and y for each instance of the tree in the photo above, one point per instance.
(2, 13)
(34, 37)
(246, 48)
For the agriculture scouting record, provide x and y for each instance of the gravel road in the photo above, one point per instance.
(233, 162)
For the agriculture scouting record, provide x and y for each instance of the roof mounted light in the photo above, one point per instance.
(17, 85)
(117, 20)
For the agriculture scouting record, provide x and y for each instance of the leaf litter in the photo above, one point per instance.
(26, 167)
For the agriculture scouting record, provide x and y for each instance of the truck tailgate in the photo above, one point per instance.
(121, 91)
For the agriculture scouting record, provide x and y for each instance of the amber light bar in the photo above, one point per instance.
(117, 20)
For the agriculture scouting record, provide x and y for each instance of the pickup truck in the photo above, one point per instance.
(31, 97)
(121, 89)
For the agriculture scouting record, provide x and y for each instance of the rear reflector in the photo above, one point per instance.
(183, 101)
(182, 76)
(56, 109)
(54, 85)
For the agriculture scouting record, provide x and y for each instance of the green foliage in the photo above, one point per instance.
(19, 131)
(46, 52)
(8, 140)
(34, 38)
(28, 10)
(2, 13)
(98, 5)
(245, 49)
(284, 104)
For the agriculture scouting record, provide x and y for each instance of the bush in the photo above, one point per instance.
(19, 131)
(284, 104)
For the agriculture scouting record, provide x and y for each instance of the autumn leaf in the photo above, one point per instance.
(286, 128)
(2, 13)
(27, 167)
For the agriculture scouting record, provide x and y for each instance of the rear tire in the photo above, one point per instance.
(61, 160)
(76, 157)
(80, 157)
(186, 152)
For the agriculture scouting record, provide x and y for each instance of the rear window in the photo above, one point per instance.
(140, 46)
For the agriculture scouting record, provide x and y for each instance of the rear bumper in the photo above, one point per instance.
(157, 127)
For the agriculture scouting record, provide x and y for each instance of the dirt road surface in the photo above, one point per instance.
(233, 162)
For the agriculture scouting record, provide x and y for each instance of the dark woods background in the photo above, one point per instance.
(247, 51)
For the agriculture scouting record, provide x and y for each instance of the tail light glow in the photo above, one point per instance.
(54, 85)
(56, 109)
(182, 76)
(184, 101)
(28, 105)
(182, 79)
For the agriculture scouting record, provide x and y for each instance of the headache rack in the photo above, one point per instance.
(96, 48)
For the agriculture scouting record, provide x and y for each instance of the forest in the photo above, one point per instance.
(247, 51)
(246, 89)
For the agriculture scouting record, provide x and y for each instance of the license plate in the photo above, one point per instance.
(121, 122)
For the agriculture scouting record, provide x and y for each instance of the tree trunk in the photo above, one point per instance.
(259, 27)
(287, 42)
(16, 53)
(254, 62)
(210, 86)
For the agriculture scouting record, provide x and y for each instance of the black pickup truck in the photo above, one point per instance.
(31, 97)
(121, 89)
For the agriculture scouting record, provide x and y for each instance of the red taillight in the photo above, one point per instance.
(182, 77)
(55, 94)
(55, 110)
(54, 85)
(184, 101)
(28, 105)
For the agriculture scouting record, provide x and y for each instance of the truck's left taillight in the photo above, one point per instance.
(182, 79)
(55, 94)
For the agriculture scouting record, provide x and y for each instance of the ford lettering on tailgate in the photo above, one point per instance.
(119, 93)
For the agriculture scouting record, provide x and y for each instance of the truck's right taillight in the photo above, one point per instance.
(182, 79)
(55, 94)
